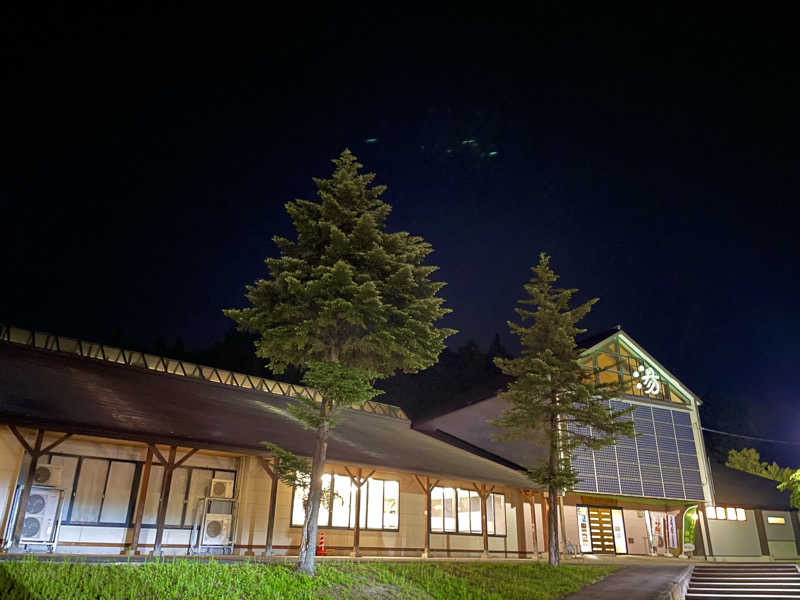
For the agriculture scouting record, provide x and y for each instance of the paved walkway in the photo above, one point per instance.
(631, 583)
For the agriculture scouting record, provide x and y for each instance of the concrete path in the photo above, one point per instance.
(631, 583)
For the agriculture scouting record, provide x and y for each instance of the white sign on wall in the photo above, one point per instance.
(648, 380)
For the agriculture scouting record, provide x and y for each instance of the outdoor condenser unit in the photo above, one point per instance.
(216, 531)
(41, 515)
(49, 475)
(221, 488)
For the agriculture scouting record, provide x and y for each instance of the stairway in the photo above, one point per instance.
(734, 581)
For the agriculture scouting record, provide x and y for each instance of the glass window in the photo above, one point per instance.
(475, 512)
(437, 509)
(711, 512)
(298, 506)
(391, 504)
(720, 512)
(89, 492)
(341, 501)
(375, 504)
(117, 498)
(731, 514)
(449, 509)
(776, 520)
(463, 510)
(499, 514)
(177, 496)
(490, 514)
(740, 514)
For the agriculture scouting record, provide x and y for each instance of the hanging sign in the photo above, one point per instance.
(689, 523)
(583, 529)
(672, 532)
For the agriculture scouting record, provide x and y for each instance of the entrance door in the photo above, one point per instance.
(602, 529)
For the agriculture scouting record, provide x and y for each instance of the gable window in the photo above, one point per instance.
(380, 502)
(456, 510)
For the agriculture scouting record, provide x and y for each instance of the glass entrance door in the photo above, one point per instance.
(602, 529)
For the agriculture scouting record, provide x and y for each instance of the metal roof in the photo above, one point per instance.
(737, 488)
(69, 392)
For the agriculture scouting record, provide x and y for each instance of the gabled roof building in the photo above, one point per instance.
(113, 451)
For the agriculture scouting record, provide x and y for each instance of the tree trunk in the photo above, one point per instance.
(552, 527)
(552, 514)
(308, 546)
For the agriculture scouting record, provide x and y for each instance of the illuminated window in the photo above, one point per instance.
(455, 510)
(380, 501)
(726, 513)
(776, 520)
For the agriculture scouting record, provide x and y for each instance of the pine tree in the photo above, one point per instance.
(349, 302)
(552, 397)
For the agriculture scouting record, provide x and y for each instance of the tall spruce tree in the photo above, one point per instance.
(349, 302)
(552, 397)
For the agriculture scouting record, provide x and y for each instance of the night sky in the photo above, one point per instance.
(147, 158)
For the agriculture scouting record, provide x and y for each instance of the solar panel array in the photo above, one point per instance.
(660, 462)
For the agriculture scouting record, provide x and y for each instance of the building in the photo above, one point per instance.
(632, 496)
(135, 442)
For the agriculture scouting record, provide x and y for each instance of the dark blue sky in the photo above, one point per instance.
(147, 158)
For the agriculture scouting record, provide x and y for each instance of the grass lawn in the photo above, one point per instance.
(192, 580)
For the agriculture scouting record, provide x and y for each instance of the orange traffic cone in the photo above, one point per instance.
(321, 546)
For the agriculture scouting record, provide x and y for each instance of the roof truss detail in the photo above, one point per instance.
(171, 366)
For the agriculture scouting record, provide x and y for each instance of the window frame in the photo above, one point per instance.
(712, 513)
(69, 494)
(457, 531)
(351, 506)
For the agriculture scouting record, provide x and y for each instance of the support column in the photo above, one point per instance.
(545, 521)
(170, 465)
(274, 475)
(35, 453)
(758, 515)
(483, 493)
(143, 484)
(359, 482)
(426, 489)
(520, 513)
(707, 538)
(530, 495)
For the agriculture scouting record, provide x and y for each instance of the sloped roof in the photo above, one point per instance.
(70, 393)
(471, 425)
(737, 488)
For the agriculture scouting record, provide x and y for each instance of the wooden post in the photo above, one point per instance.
(35, 453)
(427, 488)
(563, 521)
(520, 508)
(545, 519)
(483, 493)
(137, 523)
(531, 496)
(272, 471)
(170, 465)
(359, 482)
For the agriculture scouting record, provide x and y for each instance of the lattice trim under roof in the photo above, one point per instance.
(172, 366)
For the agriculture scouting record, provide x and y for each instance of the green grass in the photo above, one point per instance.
(192, 580)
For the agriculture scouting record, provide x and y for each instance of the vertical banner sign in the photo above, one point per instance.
(620, 543)
(672, 532)
(689, 523)
(583, 529)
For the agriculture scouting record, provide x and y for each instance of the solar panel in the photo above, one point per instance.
(661, 461)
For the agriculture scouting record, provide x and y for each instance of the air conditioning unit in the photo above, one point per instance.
(217, 530)
(221, 488)
(41, 515)
(49, 475)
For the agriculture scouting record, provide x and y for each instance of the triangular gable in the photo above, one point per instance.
(629, 347)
